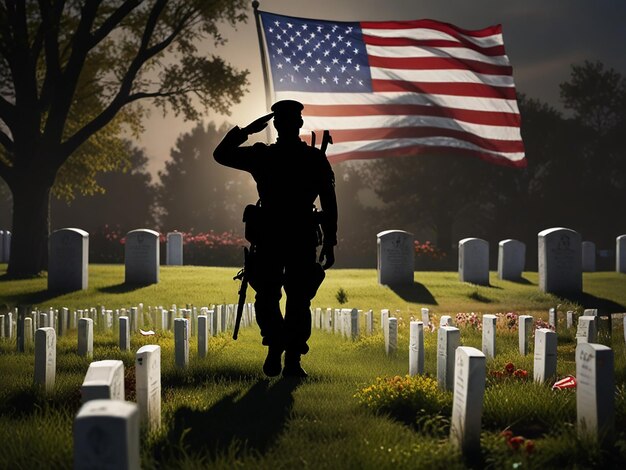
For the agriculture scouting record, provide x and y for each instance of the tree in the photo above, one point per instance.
(73, 74)
(197, 193)
(130, 188)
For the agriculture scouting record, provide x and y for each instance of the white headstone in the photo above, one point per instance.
(474, 261)
(181, 342)
(21, 340)
(553, 318)
(384, 325)
(560, 261)
(489, 335)
(2, 259)
(6, 246)
(620, 254)
(525, 330)
(571, 318)
(141, 257)
(68, 260)
(45, 357)
(174, 253)
(588, 256)
(470, 374)
(445, 320)
(545, 355)
(369, 322)
(416, 348)
(203, 336)
(28, 331)
(103, 380)
(395, 255)
(426, 317)
(124, 336)
(8, 325)
(448, 339)
(85, 337)
(354, 324)
(511, 259)
(392, 344)
(595, 391)
(106, 436)
(148, 379)
(587, 330)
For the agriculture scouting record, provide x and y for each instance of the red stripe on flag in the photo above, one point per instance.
(442, 88)
(425, 150)
(390, 133)
(490, 118)
(439, 63)
(491, 51)
(432, 24)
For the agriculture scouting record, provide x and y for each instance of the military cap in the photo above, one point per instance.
(288, 108)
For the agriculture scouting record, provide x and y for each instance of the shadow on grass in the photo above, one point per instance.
(415, 293)
(591, 301)
(522, 280)
(251, 423)
(121, 288)
(29, 298)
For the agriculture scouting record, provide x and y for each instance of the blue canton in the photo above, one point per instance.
(315, 55)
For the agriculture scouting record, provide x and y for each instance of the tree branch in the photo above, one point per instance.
(6, 141)
(51, 17)
(113, 21)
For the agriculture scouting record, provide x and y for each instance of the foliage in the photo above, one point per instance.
(341, 296)
(404, 397)
(195, 192)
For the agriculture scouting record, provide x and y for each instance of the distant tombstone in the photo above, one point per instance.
(588, 256)
(141, 257)
(416, 348)
(174, 252)
(45, 357)
(28, 331)
(590, 312)
(354, 324)
(553, 319)
(85, 337)
(396, 257)
(511, 259)
(1, 326)
(489, 335)
(132, 316)
(445, 320)
(525, 330)
(595, 391)
(392, 344)
(384, 326)
(124, 336)
(8, 325)
(448, 339)
(470, 374)
(545, 355)
(620, 254)
(474, 261)
(426, 317)
(571, 318)
(587, 330)
(560, 261)
(181, 343)
(148, 379)
(6, 246)
(2, 260)
(104, 379)
(369, 322)
(68, 260)
(203, 336)
(106, 436)
(21, 329)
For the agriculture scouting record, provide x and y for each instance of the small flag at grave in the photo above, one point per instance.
(566, 382)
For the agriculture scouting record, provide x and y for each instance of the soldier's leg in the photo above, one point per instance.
(267, 281)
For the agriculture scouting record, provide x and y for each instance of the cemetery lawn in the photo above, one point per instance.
(222, 412)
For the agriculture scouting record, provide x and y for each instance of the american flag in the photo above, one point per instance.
(395, 88)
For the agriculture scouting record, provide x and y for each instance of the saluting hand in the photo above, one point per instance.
(258, 125)
(327, 256)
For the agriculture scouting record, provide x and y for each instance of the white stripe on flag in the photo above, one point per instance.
(415, 51)
(423, 34)
(441, 76)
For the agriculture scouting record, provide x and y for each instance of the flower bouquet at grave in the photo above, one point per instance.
(469, 320)
(427, 255)
(509, 372)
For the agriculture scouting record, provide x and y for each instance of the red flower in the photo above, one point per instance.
(515, 442)
(509, 368)
(530, 446)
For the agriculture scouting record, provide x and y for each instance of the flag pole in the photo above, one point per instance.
(268, 98)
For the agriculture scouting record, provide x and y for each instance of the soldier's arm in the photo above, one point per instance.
(229, 151)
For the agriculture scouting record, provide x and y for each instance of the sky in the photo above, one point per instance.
(543, 38)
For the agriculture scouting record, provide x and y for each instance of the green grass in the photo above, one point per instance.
(222, 412)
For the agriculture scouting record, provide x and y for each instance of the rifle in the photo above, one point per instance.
(241, 275)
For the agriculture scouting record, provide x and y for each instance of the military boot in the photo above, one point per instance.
(293, 367)
(272, 364)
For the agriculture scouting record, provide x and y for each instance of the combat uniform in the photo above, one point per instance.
(290, 175)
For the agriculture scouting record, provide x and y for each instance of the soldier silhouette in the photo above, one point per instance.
(284, 230)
